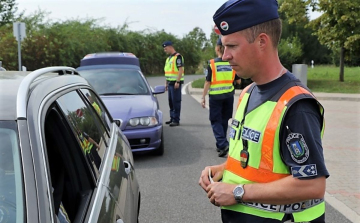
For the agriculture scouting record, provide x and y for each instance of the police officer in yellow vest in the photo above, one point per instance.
(94, 104)
(220, 85)
(87, 144)
(174, 74)
(275, 170)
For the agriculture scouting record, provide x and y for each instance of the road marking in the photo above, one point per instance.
(183, 89)
(342, 208)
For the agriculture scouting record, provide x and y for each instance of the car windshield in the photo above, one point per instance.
(11, 185)
(116, 81)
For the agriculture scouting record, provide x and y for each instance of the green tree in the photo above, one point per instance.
(311, 47)
(337, 28)
(208, 51)
(290, 50)
(8, 9)
(192, 46)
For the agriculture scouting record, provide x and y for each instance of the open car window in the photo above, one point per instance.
(72, 182)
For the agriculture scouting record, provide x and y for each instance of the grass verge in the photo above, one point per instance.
(323, 79)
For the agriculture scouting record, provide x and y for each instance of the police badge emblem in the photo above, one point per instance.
(244, 158)
(244, 154)
(296, 144)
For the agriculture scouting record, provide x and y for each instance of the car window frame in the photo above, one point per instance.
(36, 128)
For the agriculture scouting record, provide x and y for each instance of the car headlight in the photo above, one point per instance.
(134, 121)
(144, 121)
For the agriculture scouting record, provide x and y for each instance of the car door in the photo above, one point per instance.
(120, 180)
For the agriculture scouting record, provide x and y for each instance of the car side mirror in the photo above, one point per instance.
(118, 122)
(159, 89)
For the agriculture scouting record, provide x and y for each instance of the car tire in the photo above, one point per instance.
(160, 150)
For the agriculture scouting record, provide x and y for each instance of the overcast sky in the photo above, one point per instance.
(174, 16)
(178, 17)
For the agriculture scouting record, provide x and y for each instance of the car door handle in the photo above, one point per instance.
(127, 167)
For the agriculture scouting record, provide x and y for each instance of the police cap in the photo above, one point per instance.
(167, 43)
(237, 15)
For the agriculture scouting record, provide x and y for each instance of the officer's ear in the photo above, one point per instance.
(263, 40)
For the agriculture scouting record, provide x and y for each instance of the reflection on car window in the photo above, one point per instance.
(90, 133)
(98, 106)
(11, 189)
(116, 81)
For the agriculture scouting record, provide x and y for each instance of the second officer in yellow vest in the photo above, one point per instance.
(220, 84)
(174, 74)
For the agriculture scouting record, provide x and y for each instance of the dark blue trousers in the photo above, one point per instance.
(220, 113)
(174, 96)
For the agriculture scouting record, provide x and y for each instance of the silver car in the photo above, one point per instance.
(62, 156)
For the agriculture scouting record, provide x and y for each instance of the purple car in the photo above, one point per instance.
(118, 79)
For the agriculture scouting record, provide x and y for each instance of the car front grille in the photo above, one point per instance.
(139, 143)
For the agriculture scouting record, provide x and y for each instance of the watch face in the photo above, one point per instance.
(238, 191)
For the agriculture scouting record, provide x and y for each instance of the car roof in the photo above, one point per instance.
(9, 85)
(16, 86)
(109, 66)
(110, 58)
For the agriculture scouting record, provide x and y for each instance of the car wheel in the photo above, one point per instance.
(160, 150)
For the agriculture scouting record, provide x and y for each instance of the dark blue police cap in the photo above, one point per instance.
(237, 15)
(218, 42)
(167, 43)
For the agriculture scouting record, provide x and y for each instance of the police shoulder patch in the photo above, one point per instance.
(178, 61)
(304, 171)
(296, 144)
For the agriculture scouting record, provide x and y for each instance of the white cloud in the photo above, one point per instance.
(178, 17)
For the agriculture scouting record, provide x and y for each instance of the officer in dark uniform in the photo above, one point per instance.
(174, 74)
(219, 80)
(275, 170)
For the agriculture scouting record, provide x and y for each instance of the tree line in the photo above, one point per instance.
(65, 43)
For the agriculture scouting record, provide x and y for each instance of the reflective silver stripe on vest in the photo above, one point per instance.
(221, 88)
(286, 208)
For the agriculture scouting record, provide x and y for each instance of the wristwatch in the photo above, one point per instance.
(178, 82)
(239, 193)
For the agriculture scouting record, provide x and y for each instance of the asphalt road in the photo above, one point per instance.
(169, 184)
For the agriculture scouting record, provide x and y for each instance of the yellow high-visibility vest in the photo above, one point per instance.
(222, 77)
(264, 160)
(171, 70)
